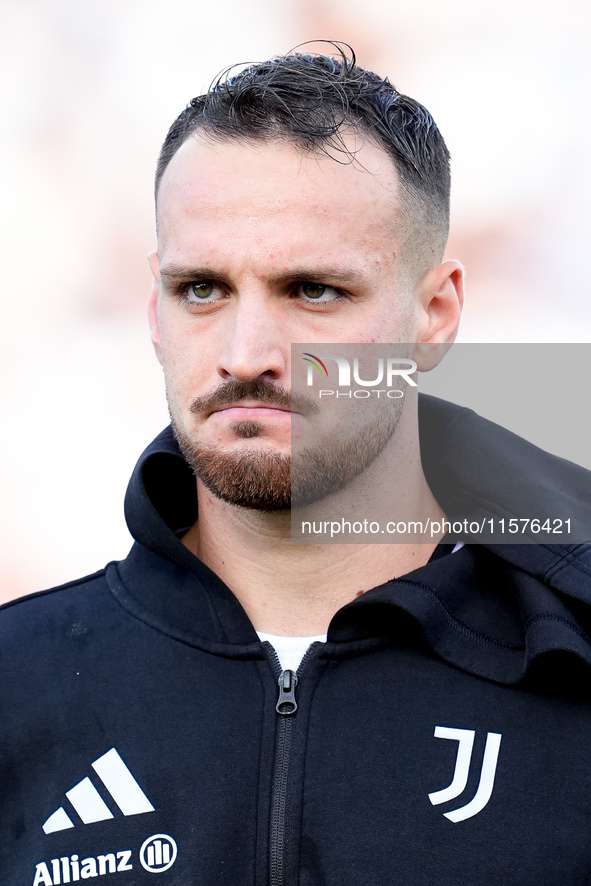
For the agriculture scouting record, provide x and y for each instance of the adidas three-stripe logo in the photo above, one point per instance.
(88, 803)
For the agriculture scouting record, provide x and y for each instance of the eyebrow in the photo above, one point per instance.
(186, 272)
(330, 274)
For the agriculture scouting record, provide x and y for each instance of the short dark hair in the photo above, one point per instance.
(311, 100)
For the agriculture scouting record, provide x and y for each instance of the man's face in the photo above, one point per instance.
(261, 245)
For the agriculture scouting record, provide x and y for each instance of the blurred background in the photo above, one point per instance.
(88, 92)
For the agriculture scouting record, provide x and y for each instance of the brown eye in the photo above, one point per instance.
(313, 290)
(203, 289)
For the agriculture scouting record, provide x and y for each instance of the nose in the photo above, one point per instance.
(256, 344)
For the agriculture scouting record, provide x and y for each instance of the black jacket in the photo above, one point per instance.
(139, 730)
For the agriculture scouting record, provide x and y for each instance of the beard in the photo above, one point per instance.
(248, 479)
(272, 481)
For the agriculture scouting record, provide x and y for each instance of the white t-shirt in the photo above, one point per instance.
(290, 650)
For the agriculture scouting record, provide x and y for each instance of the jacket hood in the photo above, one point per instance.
(491, 609)
(477, 469)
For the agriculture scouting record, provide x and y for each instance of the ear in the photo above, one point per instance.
(153, 304)
(440, 298)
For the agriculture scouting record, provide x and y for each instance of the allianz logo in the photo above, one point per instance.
(157, 854)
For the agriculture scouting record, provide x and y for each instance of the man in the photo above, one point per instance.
(436, 729)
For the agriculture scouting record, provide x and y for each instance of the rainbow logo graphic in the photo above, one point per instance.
(315, 361)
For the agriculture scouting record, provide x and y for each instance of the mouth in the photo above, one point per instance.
(250, 411)
(245, 410)
(257, 400)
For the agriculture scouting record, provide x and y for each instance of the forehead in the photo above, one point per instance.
(276, 193)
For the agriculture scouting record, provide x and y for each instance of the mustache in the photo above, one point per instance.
(265, 392)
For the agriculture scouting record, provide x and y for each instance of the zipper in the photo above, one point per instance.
(286, 707)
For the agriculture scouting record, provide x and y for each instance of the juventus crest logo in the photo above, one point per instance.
(465, 739)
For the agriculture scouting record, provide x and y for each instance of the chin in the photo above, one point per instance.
(245, 475)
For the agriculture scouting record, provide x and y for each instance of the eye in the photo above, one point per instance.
(201, 293)
(318, 292)
(201, 290)
(313, 290)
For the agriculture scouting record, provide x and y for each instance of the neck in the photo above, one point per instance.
(295, 589)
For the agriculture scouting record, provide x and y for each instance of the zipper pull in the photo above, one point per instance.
(286, 703)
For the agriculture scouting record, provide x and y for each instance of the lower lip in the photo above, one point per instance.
(253, 413)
